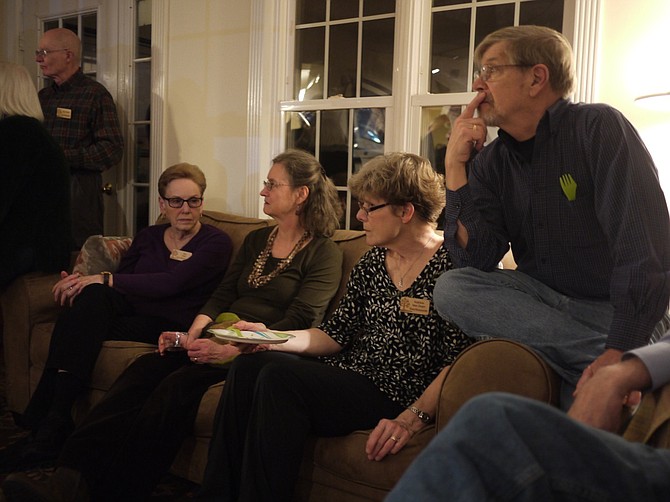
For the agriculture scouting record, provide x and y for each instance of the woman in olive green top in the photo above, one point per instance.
(283, 276)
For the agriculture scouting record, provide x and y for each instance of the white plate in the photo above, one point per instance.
(242, 336)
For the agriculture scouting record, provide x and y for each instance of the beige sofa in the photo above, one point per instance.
(334, 468)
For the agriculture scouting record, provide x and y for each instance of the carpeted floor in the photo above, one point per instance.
(171, 488)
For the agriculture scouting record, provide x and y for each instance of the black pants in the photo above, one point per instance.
(99, 313)
(271, 403)
(128, 441)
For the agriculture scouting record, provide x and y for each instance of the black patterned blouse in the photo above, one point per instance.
(400, 352)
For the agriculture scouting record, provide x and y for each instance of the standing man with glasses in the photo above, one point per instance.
(80, 114)
(575, 193)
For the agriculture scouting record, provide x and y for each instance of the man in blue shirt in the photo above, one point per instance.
(573, 190)
(504, 447)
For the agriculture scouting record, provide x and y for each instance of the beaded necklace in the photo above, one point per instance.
(255, 279)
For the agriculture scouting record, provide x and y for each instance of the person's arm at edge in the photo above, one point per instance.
(601, 398)
(405, 425)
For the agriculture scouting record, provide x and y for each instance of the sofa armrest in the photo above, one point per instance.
(496, 366)
(28, 301)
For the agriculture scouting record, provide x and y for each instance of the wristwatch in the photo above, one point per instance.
(423, 416)
(105, 277)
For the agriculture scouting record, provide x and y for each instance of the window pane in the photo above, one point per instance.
(301, 131)
(310, 11)
(437, 122)
(50, 25)
(71, 23)
(141, 208)
(369, 131)
(442, 3)
(334, 145)
(142, 90)
(377, 58)
(308, 78)
(489, 19)
(544, 13)
(343, 9)
(342, 59)
(89, 43)
(142, 150)
(450, 51)
(143, 34)
(354, 224)
(373, 7)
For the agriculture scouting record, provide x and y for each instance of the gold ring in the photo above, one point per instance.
(393, 438)
(474, 128)
(70, 287)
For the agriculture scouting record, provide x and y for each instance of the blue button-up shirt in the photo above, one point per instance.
(608, 239)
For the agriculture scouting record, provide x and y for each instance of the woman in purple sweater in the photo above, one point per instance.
(162, 281)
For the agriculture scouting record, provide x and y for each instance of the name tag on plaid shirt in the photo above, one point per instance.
(64, 113)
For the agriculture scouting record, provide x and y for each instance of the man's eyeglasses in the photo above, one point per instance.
(487, 70)
(177, 202)
(370, 209)
(42, 53)
(271, 185)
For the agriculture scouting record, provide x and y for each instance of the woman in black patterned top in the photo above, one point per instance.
(377, 362)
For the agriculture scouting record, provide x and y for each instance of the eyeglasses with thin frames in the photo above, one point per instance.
(487, 70)
(370, 209)
(178, 202)
(42, 53)
(271, 185)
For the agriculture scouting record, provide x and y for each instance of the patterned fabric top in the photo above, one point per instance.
(400, 352)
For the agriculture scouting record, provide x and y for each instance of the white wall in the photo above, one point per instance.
(206, 96)
(633, 62)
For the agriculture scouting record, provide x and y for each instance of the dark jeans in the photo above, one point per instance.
(128, 441)
(271, 403)
(505, 447)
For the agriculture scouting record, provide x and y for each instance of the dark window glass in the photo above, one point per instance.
(543, 12)
(334, 145)
(142, 90)
(342, 60)
(374, 7)
(143, 29)
(310, 11)
(369, 132)
(343, 9)
(491, 18)
(377, 58)
(308, 80)
(142, 150)
(141, 207)
(50, 25)
(301, 131)
(443, 3)
(450, 54)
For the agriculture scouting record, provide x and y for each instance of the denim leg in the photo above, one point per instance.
(568, 333)
(501, 447)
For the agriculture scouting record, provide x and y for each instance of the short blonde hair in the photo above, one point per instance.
(182, 171)
(18, 95)
(399, 178)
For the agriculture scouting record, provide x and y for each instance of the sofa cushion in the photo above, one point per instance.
(496, 365)
(101, 253)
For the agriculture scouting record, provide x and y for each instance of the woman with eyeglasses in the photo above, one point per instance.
(376, 363)
(35, 189)
(284, 276)
(162, 281)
